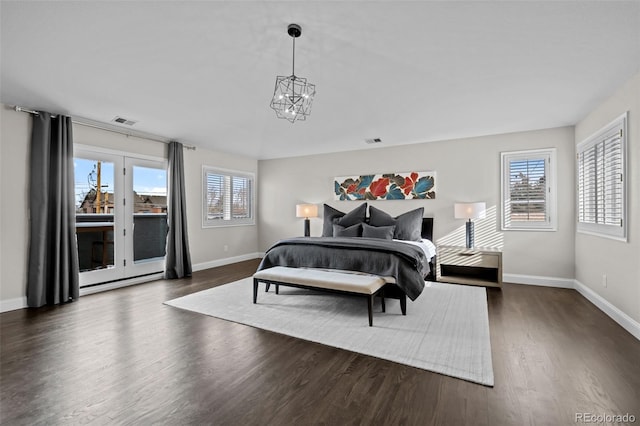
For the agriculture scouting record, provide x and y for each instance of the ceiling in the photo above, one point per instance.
(204, 72)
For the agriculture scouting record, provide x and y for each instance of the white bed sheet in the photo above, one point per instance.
(427, 247)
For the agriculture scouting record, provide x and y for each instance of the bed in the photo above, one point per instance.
(404, 262)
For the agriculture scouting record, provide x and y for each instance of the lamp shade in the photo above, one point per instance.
(470, 210)
(306, 210)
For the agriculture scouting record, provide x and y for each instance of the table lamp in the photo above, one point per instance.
(307, 211)
(470, 211)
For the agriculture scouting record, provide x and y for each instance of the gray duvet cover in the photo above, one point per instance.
(406, 263)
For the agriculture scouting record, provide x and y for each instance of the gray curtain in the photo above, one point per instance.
(178, 260)
(53, 275)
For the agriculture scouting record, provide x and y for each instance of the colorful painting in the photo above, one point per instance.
(391, 186)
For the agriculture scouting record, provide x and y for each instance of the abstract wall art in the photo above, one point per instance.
(389, 186)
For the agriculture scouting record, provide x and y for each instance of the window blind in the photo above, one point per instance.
(228, 198)
(241, 187)
(600, 182)
(601, 188)
(215, 196)
(528, 190)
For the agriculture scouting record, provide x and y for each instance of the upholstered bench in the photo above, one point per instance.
(317, 279)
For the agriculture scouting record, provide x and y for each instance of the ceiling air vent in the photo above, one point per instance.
(121, 120)
(374, 140)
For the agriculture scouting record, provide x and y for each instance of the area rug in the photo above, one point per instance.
(446, 329)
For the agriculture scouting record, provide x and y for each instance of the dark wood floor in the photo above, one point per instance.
(122, 357)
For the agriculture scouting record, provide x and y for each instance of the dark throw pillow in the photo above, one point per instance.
(332, 216)
(351, 231)
(382, 232)
(408, 225)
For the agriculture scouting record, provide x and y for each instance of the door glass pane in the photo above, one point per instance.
(94, 198)
(149, 213)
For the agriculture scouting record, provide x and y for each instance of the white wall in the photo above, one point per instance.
(15, 135)
(466, 170)
(207, 245)
(595, 256)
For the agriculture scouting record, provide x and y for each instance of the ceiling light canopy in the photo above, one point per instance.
(293, 96)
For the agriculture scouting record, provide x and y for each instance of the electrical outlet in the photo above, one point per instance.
(226, 248)
(604, 280)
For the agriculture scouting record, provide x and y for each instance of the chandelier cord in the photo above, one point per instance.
(293, 75)
(293, 67)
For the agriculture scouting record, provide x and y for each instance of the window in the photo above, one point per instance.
(528, 190)
(228, 197)
(600, 181)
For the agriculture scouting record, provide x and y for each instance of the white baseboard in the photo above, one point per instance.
(226, 261)
(13, 304)
(538, 280)
(119, 284)
(625, 321)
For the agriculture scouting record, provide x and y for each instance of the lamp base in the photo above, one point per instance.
(307, 227)
(469, 234)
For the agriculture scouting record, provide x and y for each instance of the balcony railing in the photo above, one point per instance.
(95, 237)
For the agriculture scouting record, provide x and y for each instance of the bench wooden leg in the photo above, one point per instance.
(269, 286)
(384, 309)
(255, 290)
(403, 303)
(370, 299)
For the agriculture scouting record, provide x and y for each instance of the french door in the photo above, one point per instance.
(121, 215)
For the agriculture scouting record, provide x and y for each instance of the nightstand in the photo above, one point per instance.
(476, 266)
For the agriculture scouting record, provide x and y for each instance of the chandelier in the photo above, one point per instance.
(293, 96)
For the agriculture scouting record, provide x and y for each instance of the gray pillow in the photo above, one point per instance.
(351, 231)
(382, 232)
(408, 225)
(332, 216)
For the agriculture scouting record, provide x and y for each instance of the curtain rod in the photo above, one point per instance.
(98, 125)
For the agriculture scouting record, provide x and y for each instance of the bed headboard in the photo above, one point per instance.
(427, 228)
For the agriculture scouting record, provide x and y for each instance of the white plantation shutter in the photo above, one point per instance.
(527, 186)
(528, 192)
(228, 198)
(241, 189)
(215, 195)
(601, 186)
